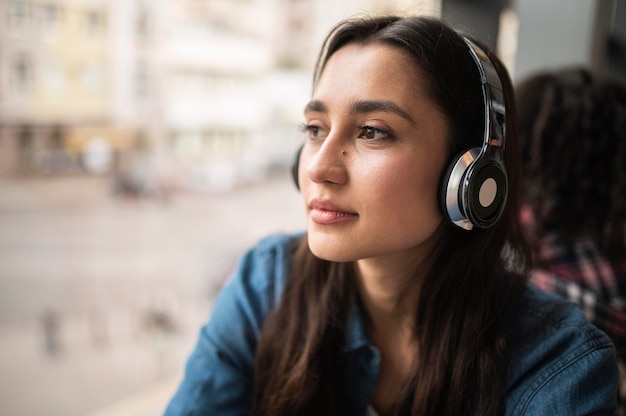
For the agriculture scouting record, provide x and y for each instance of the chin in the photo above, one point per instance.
(326, 249)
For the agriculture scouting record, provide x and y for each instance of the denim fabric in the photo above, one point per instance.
(565, 366)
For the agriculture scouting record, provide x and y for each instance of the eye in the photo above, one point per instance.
(312, 131)
(373, 133)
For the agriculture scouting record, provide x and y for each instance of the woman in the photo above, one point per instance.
(573, 134)
(407, 294)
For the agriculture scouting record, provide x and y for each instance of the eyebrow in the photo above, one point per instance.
(362, 107)
(315, 106)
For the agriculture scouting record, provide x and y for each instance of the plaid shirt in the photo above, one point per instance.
(583, 275)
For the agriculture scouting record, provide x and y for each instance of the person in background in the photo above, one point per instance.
(407, 294)
(573, 134)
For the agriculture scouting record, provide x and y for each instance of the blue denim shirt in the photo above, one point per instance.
(566, 367)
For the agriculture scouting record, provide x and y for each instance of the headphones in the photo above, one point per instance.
(474, 186)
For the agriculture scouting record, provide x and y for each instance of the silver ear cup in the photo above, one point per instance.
(475, 190)
(453, 185)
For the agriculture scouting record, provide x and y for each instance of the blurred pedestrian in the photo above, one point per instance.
(51, 332)
(573, 135)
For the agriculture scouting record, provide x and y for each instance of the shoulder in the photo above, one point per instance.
(559, 360)
(266, 262)
(273, 247)
(260, 275)
(251, 293)
(218, 374)
(540, 312)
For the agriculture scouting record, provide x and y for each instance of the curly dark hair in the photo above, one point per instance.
(573, 135)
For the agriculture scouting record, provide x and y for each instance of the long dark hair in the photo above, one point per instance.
(573, 133)
(472, 277)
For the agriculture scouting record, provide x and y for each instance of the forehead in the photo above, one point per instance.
(376, 69)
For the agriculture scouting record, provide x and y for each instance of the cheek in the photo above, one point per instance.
(413, 190)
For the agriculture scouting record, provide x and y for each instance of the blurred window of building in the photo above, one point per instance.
(142, 81)
(20, 15)
(54, 77)
(56, 137)
(94, 22)
(142, 24)
(97, 157)
(187, 144)
(51, 18)
(25, 146)
(21, 74)
(92, 78)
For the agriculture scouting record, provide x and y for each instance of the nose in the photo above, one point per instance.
(327, 162)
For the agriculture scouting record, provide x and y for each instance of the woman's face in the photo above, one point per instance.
(375, 150)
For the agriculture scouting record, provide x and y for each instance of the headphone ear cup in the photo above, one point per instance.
(451, 188)
(474, 189)
(295, 166)
(485, 191)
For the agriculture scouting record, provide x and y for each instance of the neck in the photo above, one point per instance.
(390, 325)
(381, 288)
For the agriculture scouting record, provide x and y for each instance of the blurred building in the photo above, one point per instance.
(54, 60)
(204, 93)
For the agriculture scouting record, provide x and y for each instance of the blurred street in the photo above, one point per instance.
(101, 297)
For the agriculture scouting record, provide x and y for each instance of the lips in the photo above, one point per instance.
(326, 212)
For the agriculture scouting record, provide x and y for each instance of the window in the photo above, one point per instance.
(142, 81)
(142, 25)
(54, 78)
(95, 22)
(93, 78)
(20, 15)
(21, 74)
(51, 18)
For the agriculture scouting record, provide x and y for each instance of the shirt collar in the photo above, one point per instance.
(356, 334)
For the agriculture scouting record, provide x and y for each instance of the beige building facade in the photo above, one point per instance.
(208, 91)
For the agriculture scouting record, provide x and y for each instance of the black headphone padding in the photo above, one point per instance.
(295, 167)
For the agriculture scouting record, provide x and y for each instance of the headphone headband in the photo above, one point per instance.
(493, 98)
(475, 188)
